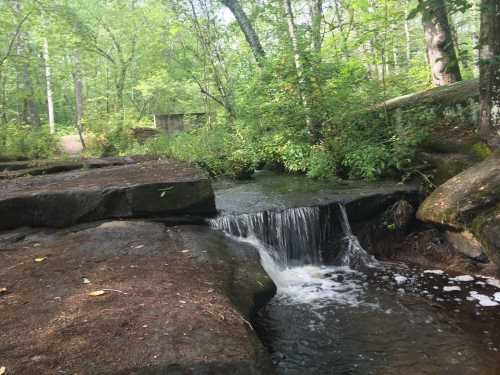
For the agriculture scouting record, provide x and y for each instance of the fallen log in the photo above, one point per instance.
(450, 95)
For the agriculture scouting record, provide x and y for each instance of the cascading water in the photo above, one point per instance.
(292, 243)
(328, 317)
(294, 236)
(299, 236)
(352, 253)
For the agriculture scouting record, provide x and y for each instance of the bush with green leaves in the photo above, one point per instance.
(24, 142)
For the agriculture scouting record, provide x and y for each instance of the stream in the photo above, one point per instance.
(357, 316)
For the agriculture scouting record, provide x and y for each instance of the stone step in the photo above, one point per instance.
(146, 189)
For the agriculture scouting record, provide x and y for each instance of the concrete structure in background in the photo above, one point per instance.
(179, 122)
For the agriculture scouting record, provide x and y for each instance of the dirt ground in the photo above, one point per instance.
(121, 297)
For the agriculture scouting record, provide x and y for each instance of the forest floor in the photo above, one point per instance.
(115, 298)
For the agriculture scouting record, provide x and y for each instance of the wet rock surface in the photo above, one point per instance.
(130, 297)
(269, 191)
(136, 190)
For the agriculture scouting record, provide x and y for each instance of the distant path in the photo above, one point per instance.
(71, 144)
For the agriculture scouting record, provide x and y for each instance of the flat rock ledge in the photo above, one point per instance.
(16, 169)
(152, 188)
(130, 297)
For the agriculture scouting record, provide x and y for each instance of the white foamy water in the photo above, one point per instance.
(308, 284)
(462, 278)
(435, 272)
(482, 299)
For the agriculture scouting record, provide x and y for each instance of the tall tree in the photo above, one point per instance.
(30, 112)
(316, 11)
(407, 34)
(489, 85)
(77, 79)
(314, 132)
(48, 80)
(211, 56)
(439, 40)
(246, 26)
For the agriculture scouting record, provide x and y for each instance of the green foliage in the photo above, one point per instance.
(164, 56)
(321, 163)
(481, 151)
(369, 161)
(18, 141)
(109, 135)
(212, 149)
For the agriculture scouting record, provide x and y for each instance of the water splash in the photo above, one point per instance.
(352, 254)
(310, 285)
(291, 243)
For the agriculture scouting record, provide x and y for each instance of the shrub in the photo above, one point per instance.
(22, 141)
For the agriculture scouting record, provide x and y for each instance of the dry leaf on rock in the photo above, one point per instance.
(97, 293)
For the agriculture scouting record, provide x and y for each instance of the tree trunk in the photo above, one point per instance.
(121, 76)
(247, 28)
(48, 78)
(214, 56)
(77, 78)
(489, 85)
(314, 132)
(407, 35)
(476, 20)
(438, 37)
(30, 105)
(316, 16)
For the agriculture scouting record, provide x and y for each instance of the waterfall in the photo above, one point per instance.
(297, 236)
(300, 236)
(352, 253)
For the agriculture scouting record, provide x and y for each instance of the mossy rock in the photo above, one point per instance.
(481, 151)
(460, 199)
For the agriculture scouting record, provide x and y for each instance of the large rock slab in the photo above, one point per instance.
(456, 202)
(470, 201)
(16, 169)
(139, 190)
(177, 300)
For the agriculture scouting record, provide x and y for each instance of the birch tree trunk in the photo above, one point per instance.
(489, 81)
(440, 47)
(407, 35)
(48, 79)
(77, 78)
(314, 132)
